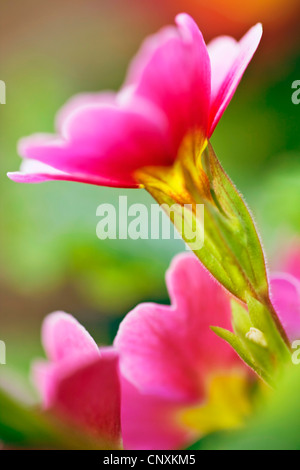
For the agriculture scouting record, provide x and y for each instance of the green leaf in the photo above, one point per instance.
(242, 325)
(263, 358)
(274, 427)
(240, 319)
(241, 346)
(22, 426)
(262, 319)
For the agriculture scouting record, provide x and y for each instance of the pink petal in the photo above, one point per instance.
(79, 101)
(149, 422)
(91, 397)
(63, 337)
(229, 60)
(286, 300)
(170, 351)
(85, 393)
(44, 380)
(47, 376)
(81, 384)
(35, 172)
(291, 263)
(101, 143)
(172, 70)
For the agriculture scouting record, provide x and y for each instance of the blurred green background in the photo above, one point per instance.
(50, 256)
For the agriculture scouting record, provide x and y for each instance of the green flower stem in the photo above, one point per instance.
(231, 249)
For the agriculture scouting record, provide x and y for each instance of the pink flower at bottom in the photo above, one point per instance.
(180, 380)
(285, 296)
(80, 382)
(176, 381)
(285, 291)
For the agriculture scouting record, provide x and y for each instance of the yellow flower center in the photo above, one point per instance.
(227, 406)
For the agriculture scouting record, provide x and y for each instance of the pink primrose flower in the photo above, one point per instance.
(79, 382)
(180, 380)
(168, 379)
(285, 287)
(176, 87)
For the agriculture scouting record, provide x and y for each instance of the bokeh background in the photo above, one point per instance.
(50, 256)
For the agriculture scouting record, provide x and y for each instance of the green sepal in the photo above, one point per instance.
(231, 248)
(238, 344)
(237, 230)
(262, 319)
(240, 319)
